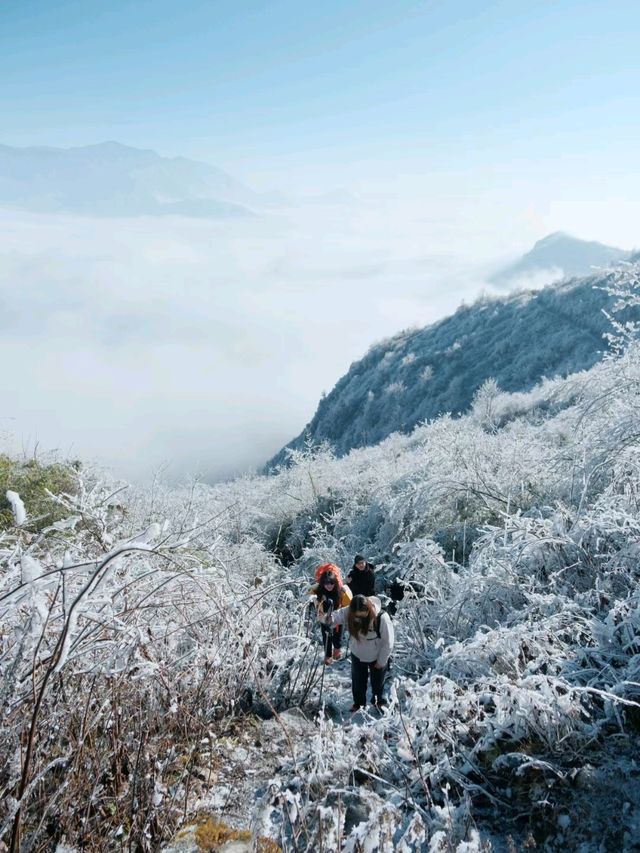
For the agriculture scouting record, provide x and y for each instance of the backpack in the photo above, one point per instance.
(376, 625)
(329, 567)
(377, 620)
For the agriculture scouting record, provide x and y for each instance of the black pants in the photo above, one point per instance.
(331, 638)
(359, 678)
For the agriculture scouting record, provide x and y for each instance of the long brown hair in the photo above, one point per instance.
(360, 625)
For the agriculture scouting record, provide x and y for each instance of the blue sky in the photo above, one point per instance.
(357, 89)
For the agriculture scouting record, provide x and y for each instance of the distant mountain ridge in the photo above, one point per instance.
(111, 179)
(562, 256)
(420, 374)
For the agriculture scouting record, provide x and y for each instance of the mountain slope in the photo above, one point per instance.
(561, 256)
(111, 179)
(419, 374)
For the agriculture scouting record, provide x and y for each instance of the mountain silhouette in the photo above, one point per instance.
(561, 256)
(111, 179)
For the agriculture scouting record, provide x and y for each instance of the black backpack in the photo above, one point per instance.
(376, 625)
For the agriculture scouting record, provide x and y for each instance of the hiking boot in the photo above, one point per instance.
(328, 661)
(380, 705)
(354, 708)
(337, 654)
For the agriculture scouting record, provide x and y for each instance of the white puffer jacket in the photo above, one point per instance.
(369, 647)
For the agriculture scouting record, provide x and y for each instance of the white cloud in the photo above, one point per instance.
(204, 344)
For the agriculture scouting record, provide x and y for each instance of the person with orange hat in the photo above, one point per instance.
(330, 594)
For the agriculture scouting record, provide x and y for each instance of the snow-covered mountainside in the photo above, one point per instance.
(147, 634)
(422, 373)
(111, 179)
(560, 255)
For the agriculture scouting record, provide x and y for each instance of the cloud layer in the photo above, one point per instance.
(201, 345)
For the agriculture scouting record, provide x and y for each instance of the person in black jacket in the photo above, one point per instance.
(361, 579)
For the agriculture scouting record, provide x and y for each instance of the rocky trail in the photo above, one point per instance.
(231, 786)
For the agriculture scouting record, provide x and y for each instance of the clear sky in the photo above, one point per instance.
(352, 89)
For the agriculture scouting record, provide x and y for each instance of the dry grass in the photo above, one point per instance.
(212, 834)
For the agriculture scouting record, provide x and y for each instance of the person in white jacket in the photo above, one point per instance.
(370, 643)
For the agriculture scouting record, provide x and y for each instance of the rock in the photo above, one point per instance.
(248, 758)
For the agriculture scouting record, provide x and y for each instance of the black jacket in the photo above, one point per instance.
(362, 581)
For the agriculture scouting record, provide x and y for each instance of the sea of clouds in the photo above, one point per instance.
(203, 346)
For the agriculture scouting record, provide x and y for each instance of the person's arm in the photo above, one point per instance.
(321, 607)
(339, 617)
(387, 639)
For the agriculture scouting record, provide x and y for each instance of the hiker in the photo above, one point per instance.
(361, 579)
(331, 594)
(370, 643)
